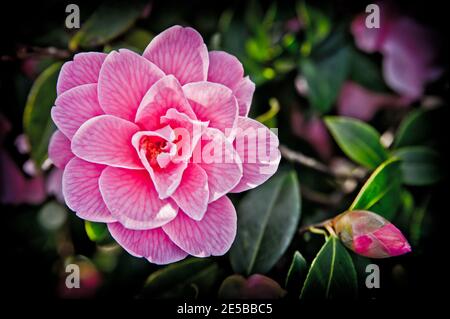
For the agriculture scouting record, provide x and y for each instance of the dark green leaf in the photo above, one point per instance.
(332, 274)
(420, 165)
(381, 193)
(296, 274)
(194, 277)
(37, 123)
(267, 221)
(109, 21)
(325, 77)
(317, 25)
(358, 140)
(416, 128)
(366, 72)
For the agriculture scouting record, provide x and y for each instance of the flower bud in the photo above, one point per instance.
(370, 235)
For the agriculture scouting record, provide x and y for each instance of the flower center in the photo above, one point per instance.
(153, 146)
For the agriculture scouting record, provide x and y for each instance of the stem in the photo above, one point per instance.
(302, 159)
(32, 51)
(314, 226)
(319, 231)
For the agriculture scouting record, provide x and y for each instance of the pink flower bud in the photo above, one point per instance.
(370, 235)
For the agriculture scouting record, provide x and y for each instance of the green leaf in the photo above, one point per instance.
(296, 274)
(37, 123)
(317, 25)
(366, 72)
(358, 140)
(267, 222)
(332, 274)
(192, 277)
(325, 77)
(420, 165)
(97, 232)
(416, 128)
(110, 20)
(381, 193)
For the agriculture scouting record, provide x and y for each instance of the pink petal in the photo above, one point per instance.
(213, 235)
(244, 95)
(225, 69)
(187, 132)
(74, 107)
(192, 194)
(258, 150)
(215, 163)
(152, 244)
(124, 79)
(84, 69)
(53, 184)
(181, 52)
(59, 149)
(214, 103)
(132, 199)
(392, 240)
(168, 179)
(162, 96)
(82, 193)
(106, 139)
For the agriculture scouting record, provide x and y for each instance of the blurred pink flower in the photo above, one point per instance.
(370, 235)
(121, 120)
(312, 130)
(409, 50)
(358, 102)
(16, 188)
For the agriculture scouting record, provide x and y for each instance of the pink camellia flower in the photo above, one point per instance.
(370, 235)
(152, 144)
(358, 102)
(408, 48)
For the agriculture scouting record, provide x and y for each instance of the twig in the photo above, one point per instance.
(332, 199)
(30, 52)
(298, 157)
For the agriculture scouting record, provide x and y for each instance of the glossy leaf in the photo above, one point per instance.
(417, 128)
(37, 123)
(325, 77)
(192, 277)
(366, 72)
(381, 193)
(358, 140)
(420, 165)
(332, 274)
(296, 274)
(267, 221)
(110, 20)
